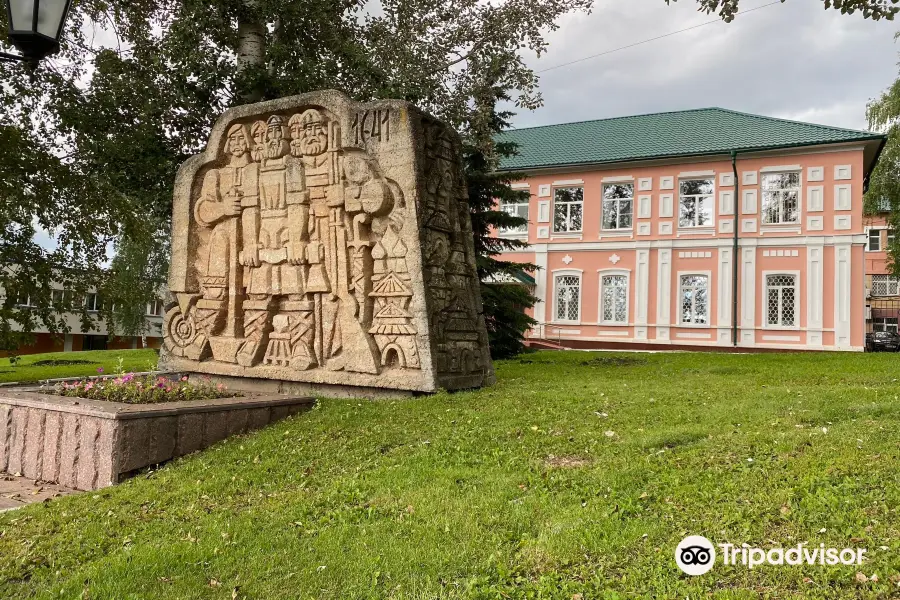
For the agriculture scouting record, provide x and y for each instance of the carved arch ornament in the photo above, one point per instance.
(317, 240)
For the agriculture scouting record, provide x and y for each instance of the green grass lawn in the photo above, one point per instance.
(25, 369)
(578, 473)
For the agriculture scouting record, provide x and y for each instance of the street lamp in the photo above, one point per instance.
(35, 27)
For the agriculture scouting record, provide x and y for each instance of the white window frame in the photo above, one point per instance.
(568, 210)
(798, 304)
(681, 322)
(891, 281)
(604, 200)
(98, 303)
(556, 274)
(712, 204)
(869, 238)
(887, 326)
(606, 273)
(762, 198)
(505, 232)
(153, 304)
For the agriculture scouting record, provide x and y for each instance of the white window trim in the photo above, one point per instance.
(567, 232)
(765, 300)
(881, 245)
(708, 324)
(602, 273)
(779, 226)
(713, 196)
(570, 272)
(508, 233)
(603, 200)
(889, 278)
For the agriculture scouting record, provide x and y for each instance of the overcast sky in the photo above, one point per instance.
(794, 60)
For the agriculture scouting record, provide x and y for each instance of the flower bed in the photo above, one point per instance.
(129, 388)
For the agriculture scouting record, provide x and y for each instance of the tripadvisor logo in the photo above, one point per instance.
(696, 555)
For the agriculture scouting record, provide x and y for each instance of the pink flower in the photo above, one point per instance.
(99, 369)
(184, 378)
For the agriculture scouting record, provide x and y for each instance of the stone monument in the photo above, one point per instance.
(329, 244)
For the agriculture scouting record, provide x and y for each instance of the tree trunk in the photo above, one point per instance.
(251, 53)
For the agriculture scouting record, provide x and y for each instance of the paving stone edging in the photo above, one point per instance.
(90, 444)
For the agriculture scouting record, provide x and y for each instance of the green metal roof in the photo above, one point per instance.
(683, 133)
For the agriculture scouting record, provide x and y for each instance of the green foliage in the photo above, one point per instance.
(883, 114)
(577, 473)
(146, 389)
(870, 9)
(29, 368)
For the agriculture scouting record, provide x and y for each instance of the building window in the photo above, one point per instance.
(885, 324)
(695, 299)
(568, 298)
(618, 204)
(780, 198)
(614, 295)
(885, 285)
(155, 308)
(92, 302)
(516, 209)
(873, 243)
(781, 300)
(567, 205)
(696, 203)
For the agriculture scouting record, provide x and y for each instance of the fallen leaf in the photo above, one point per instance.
(861, 577)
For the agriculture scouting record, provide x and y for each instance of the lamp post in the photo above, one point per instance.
(35, 27)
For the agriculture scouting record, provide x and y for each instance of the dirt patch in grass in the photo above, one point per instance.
(567, 462)
(56, 362)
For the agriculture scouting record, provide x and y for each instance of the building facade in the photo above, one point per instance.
(696, 228)
(882, 288)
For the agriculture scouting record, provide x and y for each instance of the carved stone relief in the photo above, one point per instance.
(316, 240)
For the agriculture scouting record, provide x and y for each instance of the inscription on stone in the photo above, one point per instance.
(372, 124)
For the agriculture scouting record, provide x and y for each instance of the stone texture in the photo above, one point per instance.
(325, 242)
(88, 444)
(16, 492)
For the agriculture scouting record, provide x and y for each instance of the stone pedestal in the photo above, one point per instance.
(325, 242)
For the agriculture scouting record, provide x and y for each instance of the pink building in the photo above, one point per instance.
(696, 228)
(882, 287)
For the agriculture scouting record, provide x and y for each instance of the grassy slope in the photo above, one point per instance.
(133, 360)
(451, 496)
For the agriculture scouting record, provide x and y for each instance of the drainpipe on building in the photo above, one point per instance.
(734, 258)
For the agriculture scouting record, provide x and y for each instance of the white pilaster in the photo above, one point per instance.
(842, 296)
(67, 344)
(540, 279)
(663, 292)
(723, 318)
(748, 295)
(815, 292)
(641, 292)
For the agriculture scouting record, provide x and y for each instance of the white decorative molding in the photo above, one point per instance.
(567, 259)
(667, 183)
(726, 202)
(693, 336)
(643, 229)
(544, 191)
(663, 288)
(724, 336)
(842, 222)
(748, 204)
(726, 179)
(815, 174)
(748, 225)
(662, 333)
(842, 172)
(726, 226)
(568, 331)
(666, 205)
(815, 223)
(781, 252)
(608, 333)
(750, 178)
(618, 179)
(689, 174)
(645, 184)
(543, 215)
(748, 338)
(543, 232)
(520, 186)
(843, 199)
(748, 288)
(842, 288)
(569, 182)
(614, 259)
(644, 206)
(780, 168)
(540, 281)
(781, 338)
(815, 198)
(641, 289)
(723, 279)
(665, 228)
(695, 254)
(640, 333)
